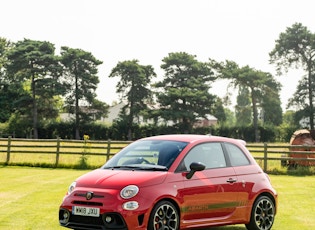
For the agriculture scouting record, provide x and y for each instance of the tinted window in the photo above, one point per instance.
(210, 154)
(236, 155)
(155, 152)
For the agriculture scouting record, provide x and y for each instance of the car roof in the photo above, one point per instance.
(193, 137)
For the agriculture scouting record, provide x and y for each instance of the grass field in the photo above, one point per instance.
(30, 198)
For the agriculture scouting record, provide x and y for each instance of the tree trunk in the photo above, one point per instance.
(77, 118)
(35, 115)
(255, 118)
(310, 96)
(130, 122)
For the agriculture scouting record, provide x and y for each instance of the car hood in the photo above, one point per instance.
(116, 179)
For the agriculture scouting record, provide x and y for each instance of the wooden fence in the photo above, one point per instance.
(57, 148)
(285, 154)
(266, 154)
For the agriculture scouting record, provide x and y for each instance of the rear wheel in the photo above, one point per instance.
(164, 216)
(263, 214)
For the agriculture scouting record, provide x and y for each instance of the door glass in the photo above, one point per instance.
(236, 155)
(210, 154)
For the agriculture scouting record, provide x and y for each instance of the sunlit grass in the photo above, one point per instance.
(30, 199)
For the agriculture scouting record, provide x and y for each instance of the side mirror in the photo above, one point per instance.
(194, 167)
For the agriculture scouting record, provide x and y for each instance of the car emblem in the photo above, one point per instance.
(89, 195)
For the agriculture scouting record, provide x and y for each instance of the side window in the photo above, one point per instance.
(210, 154)
(236, 155)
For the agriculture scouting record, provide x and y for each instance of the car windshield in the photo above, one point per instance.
(147, 155)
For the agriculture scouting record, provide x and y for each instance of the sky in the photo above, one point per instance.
(243, 31)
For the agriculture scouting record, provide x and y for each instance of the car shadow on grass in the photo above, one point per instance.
(231, 227)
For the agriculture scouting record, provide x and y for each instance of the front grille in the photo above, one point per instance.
(84, 195)
(87, 203)
(86, 220)
(106, 221)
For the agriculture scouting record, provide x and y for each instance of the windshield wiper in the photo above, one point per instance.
(121, 167)
(139, 167)
(153, 168)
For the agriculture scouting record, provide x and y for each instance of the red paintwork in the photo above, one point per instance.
(204, 200)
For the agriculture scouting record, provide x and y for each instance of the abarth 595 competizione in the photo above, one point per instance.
(173, 182)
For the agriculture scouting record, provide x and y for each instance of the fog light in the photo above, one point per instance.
(131, 205)
(64, 216)
(108, 219)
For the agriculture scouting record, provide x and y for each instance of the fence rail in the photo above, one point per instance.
(287, 155)
(265, 153)
(58, 147)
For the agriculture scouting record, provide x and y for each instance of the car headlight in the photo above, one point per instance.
(129, 191)
(71, 187)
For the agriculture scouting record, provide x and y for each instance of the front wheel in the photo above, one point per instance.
(263, 214)
(164, 216)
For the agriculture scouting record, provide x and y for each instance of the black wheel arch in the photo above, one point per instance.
(172, 201)
(169, 200)
(270, 196)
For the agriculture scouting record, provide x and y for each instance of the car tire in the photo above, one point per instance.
(262, 215)
(164, 215)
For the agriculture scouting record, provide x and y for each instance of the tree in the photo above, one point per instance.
(4, 46)
(134, 88)
(80, 78)
(230, 118)
(258, 83)
(296, 48)
(184, 92)
(271, 106)
(6, 104)
(35, 61)
(243, 110)
(218, 110)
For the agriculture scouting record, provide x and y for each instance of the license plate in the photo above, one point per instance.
(85, 211)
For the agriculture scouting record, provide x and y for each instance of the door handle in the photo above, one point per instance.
(231, 180)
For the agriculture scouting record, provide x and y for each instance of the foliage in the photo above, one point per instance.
(299, 102)
(134, 89)
(183, 95)
(80, 78)
(12, 95)
(271, 107)
(83, 164)
(35, 61)
(219, 111)
(260, 85)
(33, 84)
(243, 107)
(119, 130)
(295, 48)
(19, 125)
(230, 118)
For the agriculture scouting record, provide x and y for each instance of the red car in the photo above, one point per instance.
(173, 182)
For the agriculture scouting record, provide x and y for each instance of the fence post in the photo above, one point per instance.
(265, 156)
(57, 152)
(108, 150)
(8, 150)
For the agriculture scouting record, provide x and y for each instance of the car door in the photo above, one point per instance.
(210, 194)
(245, 171)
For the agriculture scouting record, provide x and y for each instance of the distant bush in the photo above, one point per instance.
(119, 131)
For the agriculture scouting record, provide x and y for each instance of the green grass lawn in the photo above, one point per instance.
(30, 198)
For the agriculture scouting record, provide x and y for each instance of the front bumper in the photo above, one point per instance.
(105, 221)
